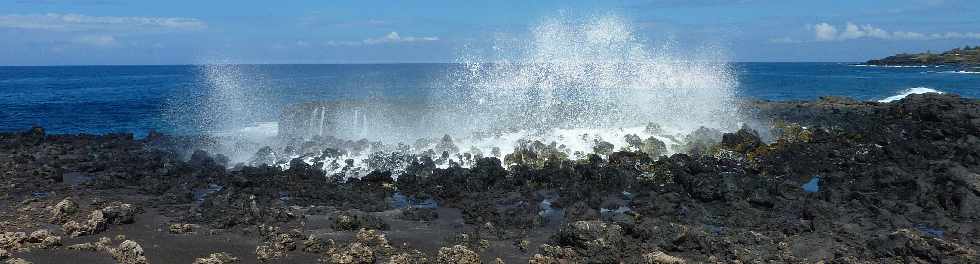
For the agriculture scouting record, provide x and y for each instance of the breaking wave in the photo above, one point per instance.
(572, 87)
(907, 92)
(596, 74)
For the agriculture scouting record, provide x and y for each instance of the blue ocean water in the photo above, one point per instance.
(103, 99)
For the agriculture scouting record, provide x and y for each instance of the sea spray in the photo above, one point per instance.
(578, 87)
(597, 74)
(579, 83)
(236, 110)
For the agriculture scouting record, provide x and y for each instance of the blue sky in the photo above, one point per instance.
(56, 32)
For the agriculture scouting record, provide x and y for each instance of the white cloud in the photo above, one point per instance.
(825, 31)
(96, 40)
(391, 37)
(77, 22)
(784, 40)
(828, 32)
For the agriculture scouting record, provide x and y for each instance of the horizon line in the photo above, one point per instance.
(333, 63)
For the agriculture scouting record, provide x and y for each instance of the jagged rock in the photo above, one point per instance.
(277, 243)
(659, 257)
(590, 234)
(95, 224)
(43, 239)
(284, 241)
(910, 246)
(372, 238)
(180, 228)
(414, 257)
(523, 245)
(702, 141)
(4, 254)
(119, 214)
(653, 147)
(63, 211)
(99, 220)
(355, 219)
(83, 247)
(355, 253)
(101, 245)
(367, 247)
(217, 258)
(314, 244)
(743, 141)
(457, 254)
(17, 241)
(17, 261)
(13, 241)
(264, 253)
(129, 252)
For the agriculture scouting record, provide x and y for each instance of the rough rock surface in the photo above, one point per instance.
(129, 252)
(457, 254)
(831, 180)
(217, 258)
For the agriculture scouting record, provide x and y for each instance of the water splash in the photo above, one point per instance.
(901, 95)
(571, 85)
(235, 109)
(597, 74)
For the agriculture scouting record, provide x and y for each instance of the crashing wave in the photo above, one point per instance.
(907, 92)
(570, 90)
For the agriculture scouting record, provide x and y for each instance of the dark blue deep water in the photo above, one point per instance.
(102, 99)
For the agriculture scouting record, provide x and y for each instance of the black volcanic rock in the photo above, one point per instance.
(835, 180)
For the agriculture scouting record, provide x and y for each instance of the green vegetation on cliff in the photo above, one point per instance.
(967, 56)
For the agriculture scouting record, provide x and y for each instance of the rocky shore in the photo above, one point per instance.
(967, 58)
(841, 181)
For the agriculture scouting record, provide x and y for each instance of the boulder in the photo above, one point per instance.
(355, 219)
(265, 253)
(414, 257)
(658, 257)
(585, 234)
(120, 214)
(743, 141)
(63, 211)
(314, 244)
(129, 252)
(180, 228)
(457, 254)
(217, 258)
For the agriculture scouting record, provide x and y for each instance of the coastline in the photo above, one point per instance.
(842, 180)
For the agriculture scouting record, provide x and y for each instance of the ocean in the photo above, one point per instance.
(137, 99)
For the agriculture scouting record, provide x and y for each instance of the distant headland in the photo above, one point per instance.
(966, 57)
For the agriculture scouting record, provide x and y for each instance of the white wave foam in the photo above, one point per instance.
(962, 72)
(907, 92)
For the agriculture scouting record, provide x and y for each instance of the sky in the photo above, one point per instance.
(142, 32)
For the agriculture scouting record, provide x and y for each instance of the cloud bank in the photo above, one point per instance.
(77, 22)
(827, 32)
(391, 37)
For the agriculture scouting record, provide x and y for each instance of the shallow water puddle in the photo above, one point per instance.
(813, 185)
(399, 200)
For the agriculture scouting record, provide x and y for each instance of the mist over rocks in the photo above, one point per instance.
(898, 182)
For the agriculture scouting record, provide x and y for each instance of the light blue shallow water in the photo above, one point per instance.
(102, 99)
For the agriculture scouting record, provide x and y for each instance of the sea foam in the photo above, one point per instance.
(573, 83)
(907, 92)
